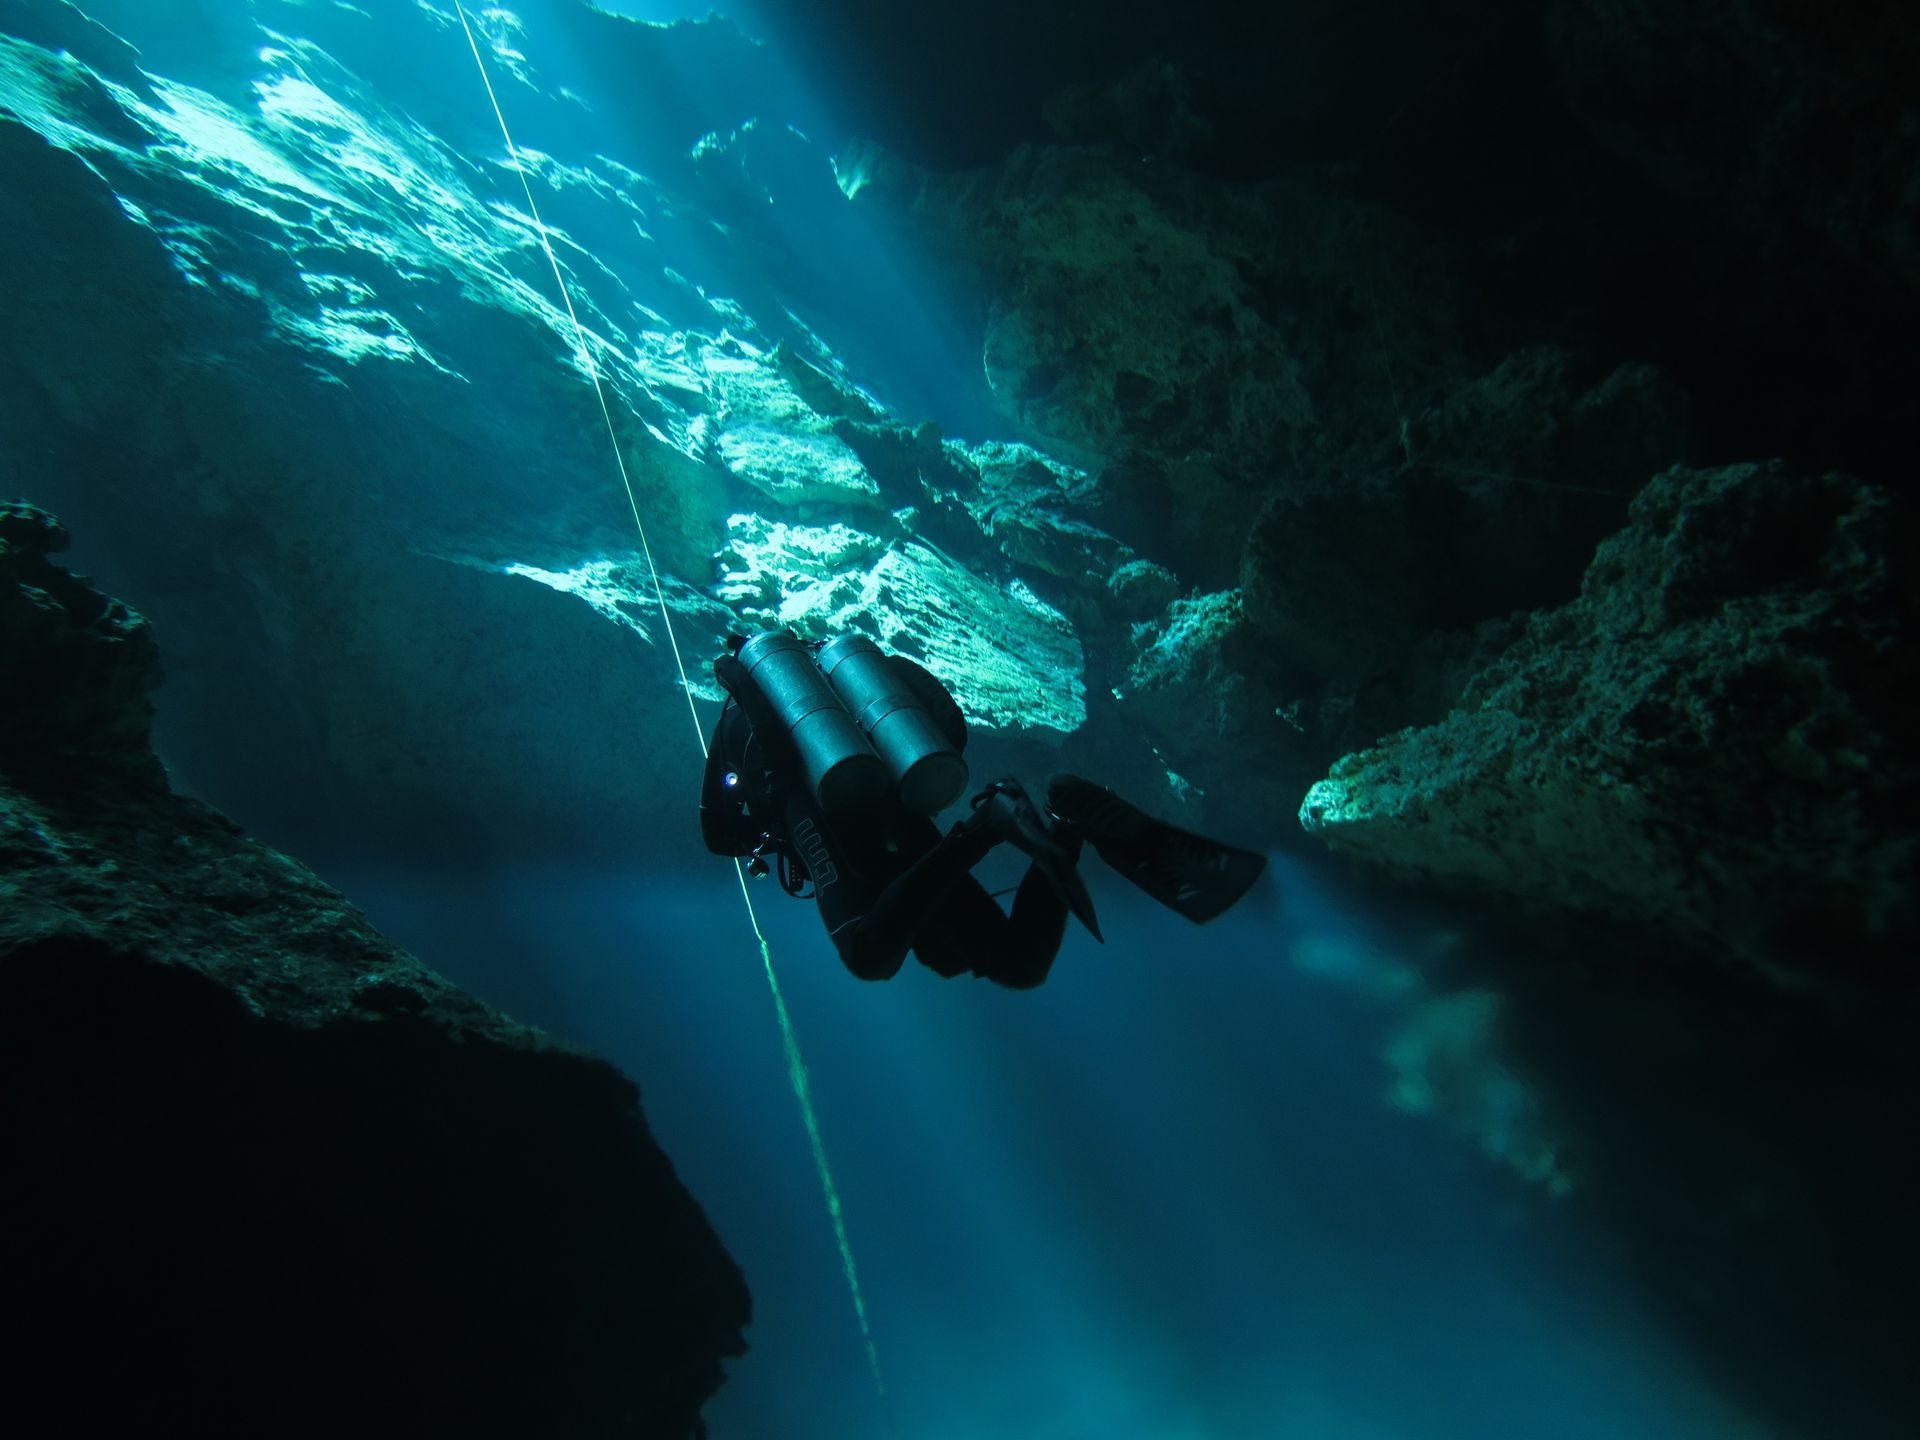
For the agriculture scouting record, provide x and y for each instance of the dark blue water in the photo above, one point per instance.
(1164, 1196)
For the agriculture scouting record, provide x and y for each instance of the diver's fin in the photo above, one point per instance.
(1068, 882)
(1186, 872)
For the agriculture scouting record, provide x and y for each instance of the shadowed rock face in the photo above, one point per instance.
(1708, 742)
(77, 667)
(287, 1178)
(1683, 790)
(1720, 187)
(1277, 400)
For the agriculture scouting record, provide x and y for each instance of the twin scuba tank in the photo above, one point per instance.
(856, 725)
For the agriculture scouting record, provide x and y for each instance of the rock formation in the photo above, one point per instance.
(268, 1172)
(1681, 789)
(1708, 742)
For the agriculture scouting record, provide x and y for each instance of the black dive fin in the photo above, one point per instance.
(1186, 872)
(1068, 882)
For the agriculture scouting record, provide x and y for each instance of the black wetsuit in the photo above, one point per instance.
(886, 883)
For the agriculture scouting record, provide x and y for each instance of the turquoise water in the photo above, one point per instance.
(1164, 1196)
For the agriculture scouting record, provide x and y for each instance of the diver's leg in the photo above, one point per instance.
(873, 932)
(1035, 929)
(874, 942)
(872, 926)
(968, 931)
(1002, 812)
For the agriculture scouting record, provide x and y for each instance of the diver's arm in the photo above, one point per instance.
(724, 823)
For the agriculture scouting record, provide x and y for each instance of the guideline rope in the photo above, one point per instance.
(796, 1064)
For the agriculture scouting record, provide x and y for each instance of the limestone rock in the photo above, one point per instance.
(1143, 589)
(796, 469)
(271, 1162)
(1331, 585)
(1191, 691)
(1267, 390)
(1026, 505)
(385, 429)
(1515, 475)
(825, 393)
(1012, 661)
(771, 438)
(1140, 308)
(286, 424)
(1512, 422)
(1707, 742)
(1119, 320)
(76, 666)
(1370, 600)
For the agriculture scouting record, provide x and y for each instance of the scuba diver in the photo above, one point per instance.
(833, 760)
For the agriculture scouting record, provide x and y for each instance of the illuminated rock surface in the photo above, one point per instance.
(1019, 656)
(268, 1160)
(270, 241)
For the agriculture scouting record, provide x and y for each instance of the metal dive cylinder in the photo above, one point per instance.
(844, 773)
(926, 768)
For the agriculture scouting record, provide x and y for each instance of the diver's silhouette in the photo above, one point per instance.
(832, 762)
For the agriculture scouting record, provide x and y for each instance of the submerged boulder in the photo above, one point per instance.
(1708, 741)
(280, 1175)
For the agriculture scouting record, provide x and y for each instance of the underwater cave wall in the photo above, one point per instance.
(269, 1173)
(1298, 422)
